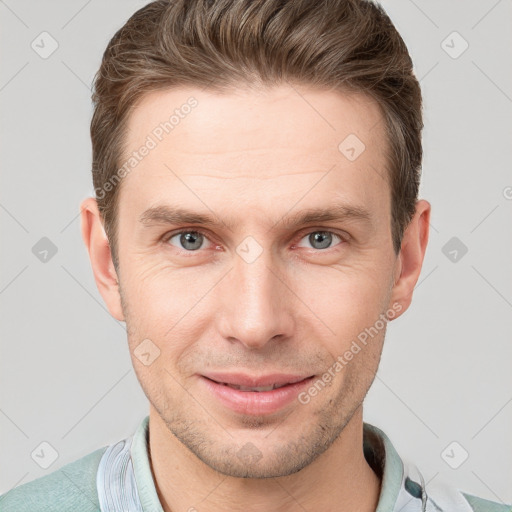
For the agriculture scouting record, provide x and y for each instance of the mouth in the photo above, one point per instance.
(243, 382)
(253, 389)
(250, 395)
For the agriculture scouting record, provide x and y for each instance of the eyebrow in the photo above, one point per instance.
(164, 214)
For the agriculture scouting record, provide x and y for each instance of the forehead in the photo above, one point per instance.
(283, 116)
(255, 143)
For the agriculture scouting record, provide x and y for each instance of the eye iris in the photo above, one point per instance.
(324, 238)
(191, 237)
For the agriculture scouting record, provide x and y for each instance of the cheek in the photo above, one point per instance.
(158, 291)
(347, 303)
(344, 296)
(167, 305)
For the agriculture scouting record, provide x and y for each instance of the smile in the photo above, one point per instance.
(249, 395)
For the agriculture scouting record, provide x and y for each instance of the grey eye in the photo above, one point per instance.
(321, 239)
(188, 240)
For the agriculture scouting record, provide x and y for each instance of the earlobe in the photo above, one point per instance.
(412, 253)
(96, 241)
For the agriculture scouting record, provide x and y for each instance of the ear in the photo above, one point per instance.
(98, 247)
(410, 259)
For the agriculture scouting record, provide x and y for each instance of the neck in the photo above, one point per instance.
(339, 479)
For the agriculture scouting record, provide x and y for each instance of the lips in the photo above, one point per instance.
(251, 395)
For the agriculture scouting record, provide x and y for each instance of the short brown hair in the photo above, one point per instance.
(350, 45)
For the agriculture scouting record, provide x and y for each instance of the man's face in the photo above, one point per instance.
(254, 295)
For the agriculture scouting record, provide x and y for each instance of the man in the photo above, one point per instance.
(256, 225)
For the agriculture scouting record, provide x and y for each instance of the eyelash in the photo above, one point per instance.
(343, 239)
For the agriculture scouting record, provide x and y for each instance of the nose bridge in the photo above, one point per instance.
(254, 310)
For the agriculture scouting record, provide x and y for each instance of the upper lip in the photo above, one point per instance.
(242, 379)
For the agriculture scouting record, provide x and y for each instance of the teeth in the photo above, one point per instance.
(259, 389)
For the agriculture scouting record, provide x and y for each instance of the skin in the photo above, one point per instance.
(252, 159)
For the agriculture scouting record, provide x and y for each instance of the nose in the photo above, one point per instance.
(256, 303)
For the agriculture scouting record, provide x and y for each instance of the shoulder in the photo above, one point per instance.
(482, 505)
(72, 487)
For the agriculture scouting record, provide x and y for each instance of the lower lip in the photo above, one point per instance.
(255, 402)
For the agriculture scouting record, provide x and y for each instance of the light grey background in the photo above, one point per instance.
(65, 372)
